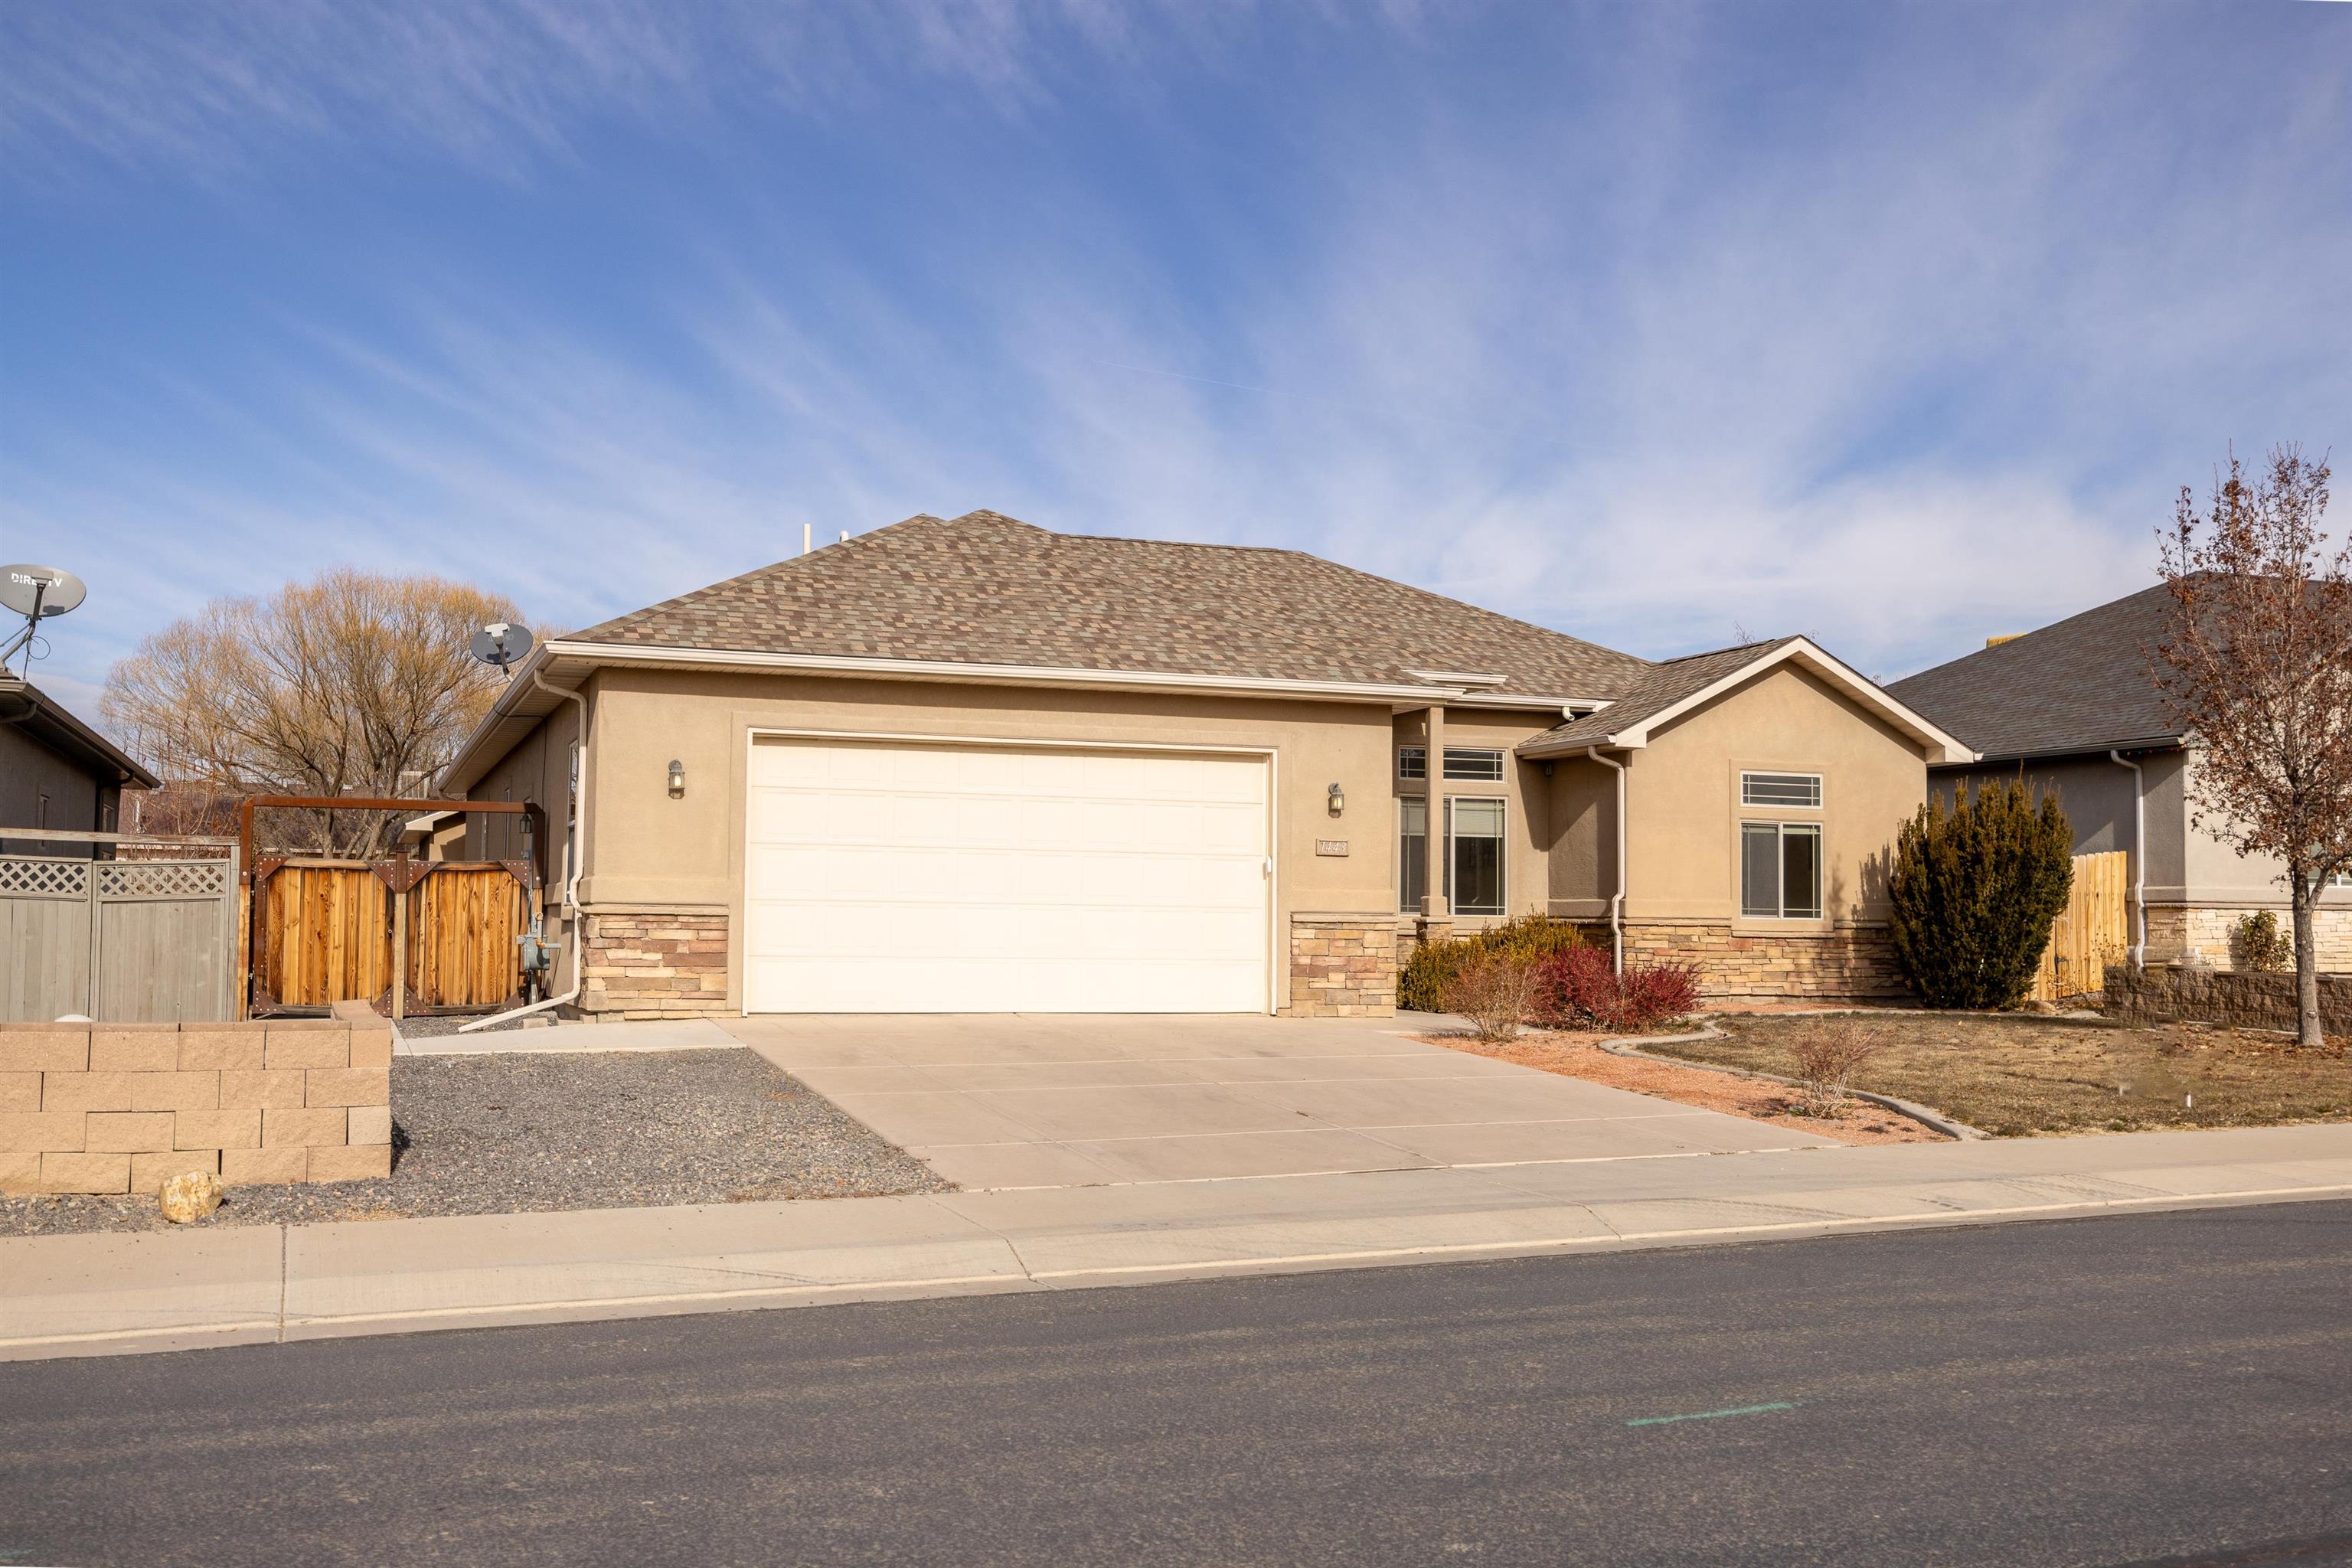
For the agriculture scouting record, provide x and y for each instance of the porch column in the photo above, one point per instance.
(1436, 909)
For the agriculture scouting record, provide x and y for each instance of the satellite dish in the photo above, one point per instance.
(40, 591)
(501, 644)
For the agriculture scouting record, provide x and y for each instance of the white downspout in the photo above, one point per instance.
(578, 852)
(2139, 857)
(1617, 898)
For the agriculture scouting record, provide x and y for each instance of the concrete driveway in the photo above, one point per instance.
(1032, 1101)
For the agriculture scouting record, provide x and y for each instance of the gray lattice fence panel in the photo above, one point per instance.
(45, 914)
(166, 939)
(122, 940)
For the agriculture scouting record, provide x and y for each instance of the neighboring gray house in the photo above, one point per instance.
(57, 771)
(2072, 708)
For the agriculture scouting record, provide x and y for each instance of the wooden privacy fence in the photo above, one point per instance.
(336, 930)
(2093, 931)
(122, 941)
(403, 935)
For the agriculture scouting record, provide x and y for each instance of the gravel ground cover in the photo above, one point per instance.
(2021, 1076)
(1575, 1054)
(508, 1132)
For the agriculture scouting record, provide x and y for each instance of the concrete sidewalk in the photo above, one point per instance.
(96, 1295)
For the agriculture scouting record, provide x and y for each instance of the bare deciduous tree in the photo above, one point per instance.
(2256, 668)
(358, 683)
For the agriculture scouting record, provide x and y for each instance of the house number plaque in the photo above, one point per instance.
(1330, 847)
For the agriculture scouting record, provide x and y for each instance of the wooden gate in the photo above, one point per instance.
(2092, 932)
(334, 930)
(124, 941)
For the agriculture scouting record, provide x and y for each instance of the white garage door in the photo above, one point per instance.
(907, 877)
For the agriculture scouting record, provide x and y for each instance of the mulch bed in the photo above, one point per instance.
(501, 1133)
(2021, 1076)
(1580, 1056)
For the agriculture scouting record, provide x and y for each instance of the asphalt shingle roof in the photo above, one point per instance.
(1664, 685)
(989, 589)
(2080, 684)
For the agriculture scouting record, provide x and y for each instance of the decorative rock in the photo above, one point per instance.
(190, 1197)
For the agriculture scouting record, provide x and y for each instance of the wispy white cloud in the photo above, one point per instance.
(1898, 334)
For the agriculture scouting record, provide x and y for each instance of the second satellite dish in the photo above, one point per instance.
(501, 644)
(40, 591)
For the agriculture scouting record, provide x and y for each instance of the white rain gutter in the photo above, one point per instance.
(577, 853)
(1617, 898)
(2139, 857)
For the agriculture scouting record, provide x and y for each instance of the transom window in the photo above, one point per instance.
(1476, 763)
(1780, 871)
(1474, 854)
(1780, 789)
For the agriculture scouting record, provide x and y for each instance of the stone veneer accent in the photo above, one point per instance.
(1853, 962)
(2174, 932)
(2166, 993)
(124, 1107)
(1342, 966)
(653, 964)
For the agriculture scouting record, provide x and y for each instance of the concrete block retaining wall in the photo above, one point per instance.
(2167, 993)
(124, 1107)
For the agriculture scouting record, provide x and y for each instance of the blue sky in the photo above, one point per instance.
(1897, 325)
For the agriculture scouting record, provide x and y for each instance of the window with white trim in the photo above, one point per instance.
(1474, 853)
(1800, 790)
(1780, 871)
(2340, 879)
(1477, 765)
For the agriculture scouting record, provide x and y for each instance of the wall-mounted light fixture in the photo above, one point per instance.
(1337, 799)
(676, 779)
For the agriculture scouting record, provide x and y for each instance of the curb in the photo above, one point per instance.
(1936, 1121)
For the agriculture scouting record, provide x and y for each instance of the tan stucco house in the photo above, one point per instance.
(973, 765)
(2073, 709)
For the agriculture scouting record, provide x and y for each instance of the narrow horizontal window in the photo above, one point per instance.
(1412, 762)
(1462, 763)
(1780, 789)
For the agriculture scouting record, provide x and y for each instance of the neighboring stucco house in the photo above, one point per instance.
(57, 771)
(2072, 708)
(977, 767)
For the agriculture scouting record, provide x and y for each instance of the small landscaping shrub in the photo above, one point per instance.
(1580, 989)
(1497, 992)
(1974, 891)
(1827, 1057)
(1421, 983)
(2261, 944)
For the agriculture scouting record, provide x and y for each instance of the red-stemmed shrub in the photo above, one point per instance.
(1579, 989)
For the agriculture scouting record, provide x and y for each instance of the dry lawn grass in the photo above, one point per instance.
(1579, 1055)
(2020, 1077)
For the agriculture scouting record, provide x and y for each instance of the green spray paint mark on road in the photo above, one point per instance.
(1711, 1415)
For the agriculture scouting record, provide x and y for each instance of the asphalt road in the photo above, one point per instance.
(2172, 1388)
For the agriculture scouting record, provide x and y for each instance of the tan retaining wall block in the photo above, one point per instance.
(218, 1128)
(310, 1044)
(41, 1132)
(20, 1173)
(86, 1091)
(129, 1131)
(371, 1048)
(347, 1086)
(210, 1050)
(175, 1091)
(134, 1048)
(259, 1167)
(20, 1091)
(254, 1090)
(85, 1172)
(35, 1048)
(307, 1128)
(368, 1125)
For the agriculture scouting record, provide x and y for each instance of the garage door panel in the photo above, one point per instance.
(892, 876)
